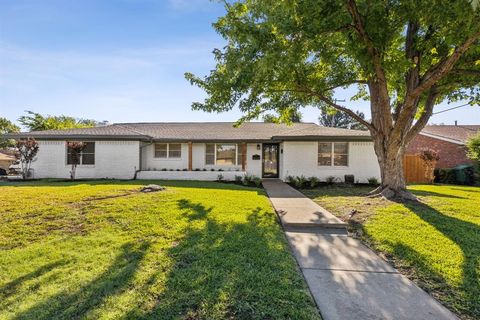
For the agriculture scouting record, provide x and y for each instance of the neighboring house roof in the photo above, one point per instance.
(201, 131)
(458, 134)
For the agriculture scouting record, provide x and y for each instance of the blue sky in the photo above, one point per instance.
(119, 60)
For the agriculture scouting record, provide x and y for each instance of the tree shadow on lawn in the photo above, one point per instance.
(225, 270)
(466, 235)
(67, 305)
(9, 288)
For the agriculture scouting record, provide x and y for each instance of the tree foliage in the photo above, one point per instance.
(290, 115)
(6, 126)
(330, 117)
(37, 122)
(403, 56)
(473, 147)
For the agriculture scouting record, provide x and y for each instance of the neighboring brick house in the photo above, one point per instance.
(448, 140)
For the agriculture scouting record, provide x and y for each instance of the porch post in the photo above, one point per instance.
(244, 156)
(190, 156)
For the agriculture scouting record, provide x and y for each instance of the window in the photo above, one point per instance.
(87, 156)
(340, 154)
(168, 150)
(226, 154)
(333, 154)
(221, 154)
(210, 153)
(174, 150)
(324, 153)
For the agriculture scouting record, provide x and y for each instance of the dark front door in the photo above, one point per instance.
(270, 160)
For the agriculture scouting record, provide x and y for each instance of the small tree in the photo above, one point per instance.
(473, 147)
(27, 151)
(75, 149)
(430, 158)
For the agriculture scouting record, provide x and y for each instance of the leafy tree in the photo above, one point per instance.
(75, 149)
(27, 151)
(330, 117)
(37, 122)
(288, 115)
(6, 126)
(473, 147)
(403, 56)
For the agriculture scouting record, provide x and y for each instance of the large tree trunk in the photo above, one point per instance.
(390, 159)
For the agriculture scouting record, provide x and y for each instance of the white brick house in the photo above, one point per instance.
(202, 151)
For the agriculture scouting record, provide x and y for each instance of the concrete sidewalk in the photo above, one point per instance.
(347, 280)
(296, 210)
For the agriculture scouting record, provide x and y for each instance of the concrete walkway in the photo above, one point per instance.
(347, 280)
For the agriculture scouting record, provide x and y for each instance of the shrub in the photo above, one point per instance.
(213, 169)
(220, 170)
(204, 169)
(220, 178)
(238, 179)
(301, 182)
(313, 182)
(197, 169)
(330, 180)
(257, 182)
(445, 176)
(290, 180)
(247, 180)
(373, 181)
(252, 181)
(185, 170)
(164, 169)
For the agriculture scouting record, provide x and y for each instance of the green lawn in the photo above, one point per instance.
(101, 250)
(435, 242)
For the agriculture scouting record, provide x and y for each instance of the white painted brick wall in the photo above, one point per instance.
(113, 159)
(300, 158)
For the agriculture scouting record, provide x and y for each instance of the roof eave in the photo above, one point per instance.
(323, 138)
(75, 137)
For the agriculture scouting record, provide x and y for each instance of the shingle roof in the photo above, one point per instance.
(458, 133)
(202, 131)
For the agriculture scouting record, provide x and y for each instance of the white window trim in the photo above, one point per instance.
(215, 155)
(332, 154)
(168, 152)
(81, 157)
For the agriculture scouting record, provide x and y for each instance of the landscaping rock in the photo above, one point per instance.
(152, 188)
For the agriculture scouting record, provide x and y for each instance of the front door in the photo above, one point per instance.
(270, 160)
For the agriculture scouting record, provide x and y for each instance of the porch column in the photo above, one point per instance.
(190, 155)
(244, 156)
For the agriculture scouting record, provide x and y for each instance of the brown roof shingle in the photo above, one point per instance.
(458, 133)
(200, 131)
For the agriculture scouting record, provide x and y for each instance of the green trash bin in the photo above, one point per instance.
(464, 174)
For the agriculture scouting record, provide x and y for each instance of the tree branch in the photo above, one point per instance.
(340, 108)
(467, 72)
(346, 83)
(425, 116)
(443, 67)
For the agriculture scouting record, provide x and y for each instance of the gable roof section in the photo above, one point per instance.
(458, 134)
(201, 131)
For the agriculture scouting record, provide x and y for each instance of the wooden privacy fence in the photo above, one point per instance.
(414, 169)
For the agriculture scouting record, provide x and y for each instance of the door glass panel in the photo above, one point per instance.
(270, 160)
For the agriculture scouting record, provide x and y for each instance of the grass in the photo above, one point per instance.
(435, 242)
(102, 250)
